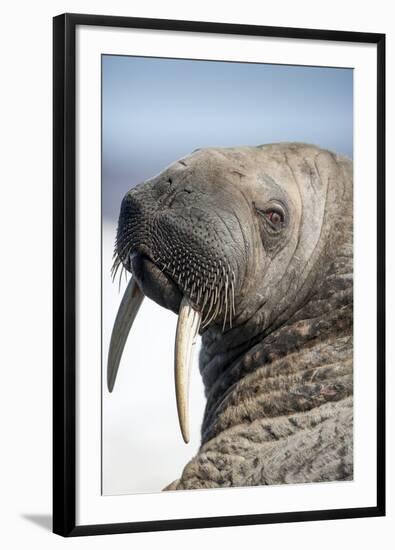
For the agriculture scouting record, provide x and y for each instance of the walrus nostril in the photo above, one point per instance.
(176, 196)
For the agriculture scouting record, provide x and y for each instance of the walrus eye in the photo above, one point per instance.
(274, 215)
(275, 218)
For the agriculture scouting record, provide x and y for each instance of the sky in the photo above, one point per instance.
(155, 111)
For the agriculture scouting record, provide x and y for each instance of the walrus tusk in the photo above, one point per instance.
(187, 329)
(131, 302)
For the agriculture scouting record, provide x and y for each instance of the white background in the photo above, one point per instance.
(25, 484)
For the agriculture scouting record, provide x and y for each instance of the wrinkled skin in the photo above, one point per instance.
(266, 232)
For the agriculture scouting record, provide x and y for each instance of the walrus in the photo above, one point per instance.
(252, 247)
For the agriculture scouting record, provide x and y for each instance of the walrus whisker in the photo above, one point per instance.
(209, 319)
(208, 312)
(206, 295)
(226, 302)
(232, 309)
(128, 245)
(116, 262)
(199, 294)
(233, 293)
(217, 308)
(115, 271)
(120, 278)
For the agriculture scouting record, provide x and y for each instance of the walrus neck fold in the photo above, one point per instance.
(301, 359)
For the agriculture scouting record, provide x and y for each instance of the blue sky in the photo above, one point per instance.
(157, 110)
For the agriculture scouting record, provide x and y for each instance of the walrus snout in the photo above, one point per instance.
(193, 244)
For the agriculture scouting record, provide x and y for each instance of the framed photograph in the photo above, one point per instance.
(218, 274)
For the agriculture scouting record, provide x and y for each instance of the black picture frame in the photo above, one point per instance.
(64, 272)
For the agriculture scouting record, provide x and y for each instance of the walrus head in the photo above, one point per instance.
(232, 240)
